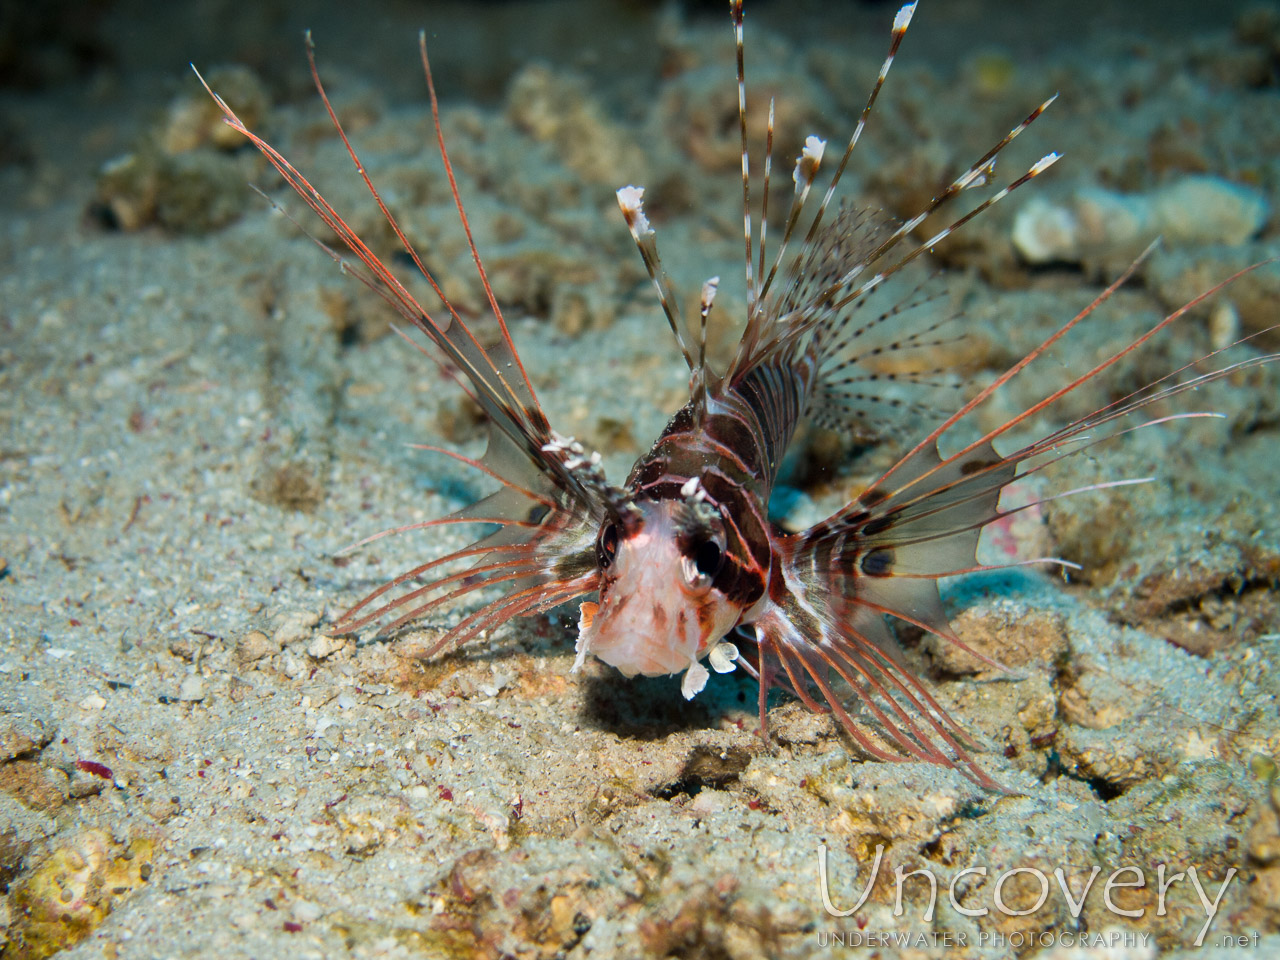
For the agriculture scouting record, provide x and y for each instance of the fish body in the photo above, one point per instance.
(687, 570)
(694, 558)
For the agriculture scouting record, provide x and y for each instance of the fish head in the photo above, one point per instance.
(660, 610)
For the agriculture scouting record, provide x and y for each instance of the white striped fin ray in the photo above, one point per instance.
(880, 362)
(862, 372)
(777, 321)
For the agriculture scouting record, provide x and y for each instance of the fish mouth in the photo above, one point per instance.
(649, 620)
(652, 642)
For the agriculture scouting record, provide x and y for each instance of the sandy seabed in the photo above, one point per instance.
(200, 412)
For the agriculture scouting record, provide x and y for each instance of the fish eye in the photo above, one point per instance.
(607, 545)
(708, 558)
(702, 564)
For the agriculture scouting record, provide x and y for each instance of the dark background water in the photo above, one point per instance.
(124, 60)
(79, 42)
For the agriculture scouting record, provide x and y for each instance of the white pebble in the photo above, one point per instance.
(292, 666)
(322, 646)
(295, 626)
(1224, 325)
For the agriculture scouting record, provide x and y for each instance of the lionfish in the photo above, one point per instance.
(684, 559)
